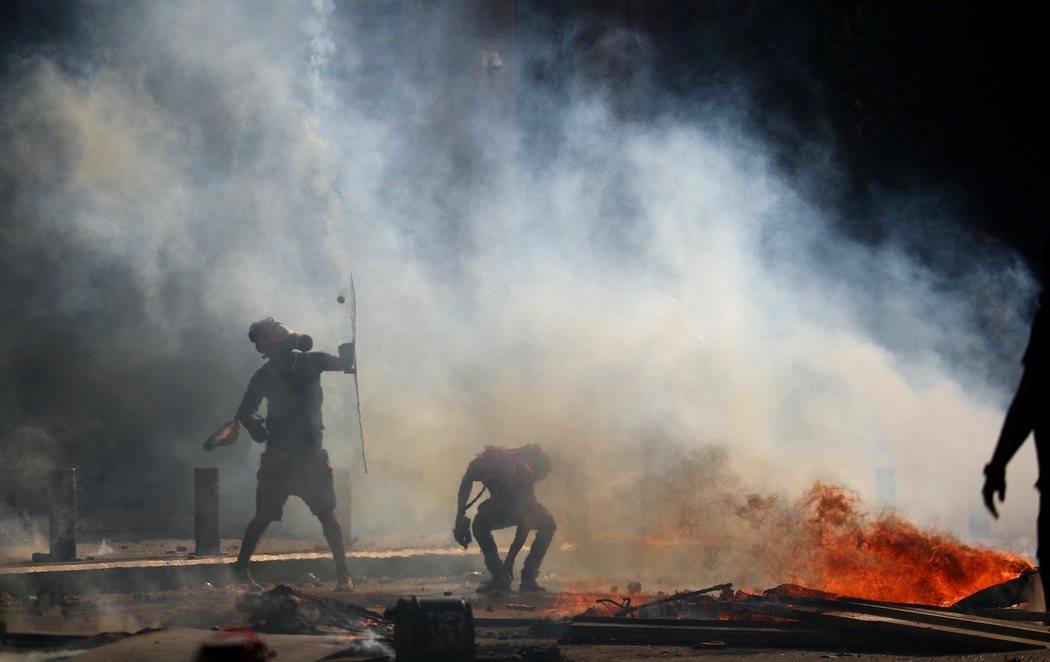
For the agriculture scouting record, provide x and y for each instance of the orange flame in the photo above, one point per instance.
(712, 530)
(889, 558)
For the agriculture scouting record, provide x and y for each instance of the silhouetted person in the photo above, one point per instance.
(294, 462)
(1029, 412)
(509, 475)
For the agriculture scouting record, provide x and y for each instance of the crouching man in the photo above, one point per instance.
(294, 462)
(509, 474)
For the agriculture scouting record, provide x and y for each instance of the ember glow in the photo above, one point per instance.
(589, 597)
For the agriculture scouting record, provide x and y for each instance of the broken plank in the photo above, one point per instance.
(752, 636)
(1013, 614)
(933, 616)
(907, 632)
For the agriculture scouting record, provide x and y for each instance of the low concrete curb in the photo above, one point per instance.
(163, 574)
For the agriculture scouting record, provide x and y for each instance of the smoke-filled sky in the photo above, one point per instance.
(548, 246)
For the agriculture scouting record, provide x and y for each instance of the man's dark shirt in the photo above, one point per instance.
(505, 474)
(291, 385)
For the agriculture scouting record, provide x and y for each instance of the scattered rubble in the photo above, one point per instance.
(284, 610)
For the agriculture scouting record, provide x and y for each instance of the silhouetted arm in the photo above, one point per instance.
(250, 402)
(326, 362)
(1019, 421)
(1018, 424)
(465, 485)
(461, 529)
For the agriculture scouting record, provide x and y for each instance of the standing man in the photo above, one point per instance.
(509, 474)
(1029, 412)
(294, 462)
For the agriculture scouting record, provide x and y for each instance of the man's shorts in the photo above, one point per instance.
(282, 474)
(499, 514)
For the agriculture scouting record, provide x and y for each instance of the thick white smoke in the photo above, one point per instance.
(532, 262)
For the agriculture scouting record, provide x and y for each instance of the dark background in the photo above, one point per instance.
(912, 96)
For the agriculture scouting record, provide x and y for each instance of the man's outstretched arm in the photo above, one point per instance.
(345, 362)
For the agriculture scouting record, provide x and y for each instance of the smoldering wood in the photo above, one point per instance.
(627, 608)
(1004, 594)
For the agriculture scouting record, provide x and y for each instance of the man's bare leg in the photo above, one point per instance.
(333, 533)
(545, 527)
(482, 529)
(252, 535)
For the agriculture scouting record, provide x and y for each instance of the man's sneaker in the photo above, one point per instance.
(495, 585)
(528, 584)
(344, 585)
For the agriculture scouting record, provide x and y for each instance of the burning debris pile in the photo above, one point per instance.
(841, 550)
(793, 616)
(699, 515)
(665, 606)
(722, 602)
(847, 579)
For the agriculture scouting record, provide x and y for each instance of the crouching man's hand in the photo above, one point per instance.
(461, 532)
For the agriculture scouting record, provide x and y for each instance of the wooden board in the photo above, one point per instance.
(931, 616)
(826, 624)
(904, 632)
(639, 632)
(1013, 615)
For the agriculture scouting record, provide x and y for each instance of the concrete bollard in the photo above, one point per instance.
(62, 515)
(206, 509)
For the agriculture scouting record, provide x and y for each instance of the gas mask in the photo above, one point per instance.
(272, 338)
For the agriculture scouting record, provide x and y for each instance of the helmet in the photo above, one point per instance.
(272, 337)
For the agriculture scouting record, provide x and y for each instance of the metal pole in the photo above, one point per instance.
(62, 517)
(206, 509)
